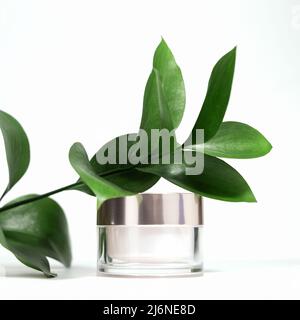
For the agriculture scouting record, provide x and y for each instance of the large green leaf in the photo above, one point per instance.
(35, 231)
(218, 180)
(101, 187)
(122, 175)
(117, 162)
(164, 97)
(217, 96)
(17, 148)
(156, 111)
(235, 140)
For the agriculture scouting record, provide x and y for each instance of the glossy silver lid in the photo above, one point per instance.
(151, 208)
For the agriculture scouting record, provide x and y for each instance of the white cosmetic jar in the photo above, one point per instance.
(151, 235)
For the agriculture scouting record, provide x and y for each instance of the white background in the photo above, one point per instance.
(75, 71)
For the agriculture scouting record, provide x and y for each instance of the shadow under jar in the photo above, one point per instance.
(150, 235)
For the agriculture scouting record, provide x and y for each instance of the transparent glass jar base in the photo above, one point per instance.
(150, 271)
(150, 250)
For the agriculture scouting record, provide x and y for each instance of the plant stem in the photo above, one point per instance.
(68, 187)
(45, 195)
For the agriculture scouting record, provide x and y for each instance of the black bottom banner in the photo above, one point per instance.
(145, 309)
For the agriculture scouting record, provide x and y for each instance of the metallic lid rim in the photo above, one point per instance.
(152, 209)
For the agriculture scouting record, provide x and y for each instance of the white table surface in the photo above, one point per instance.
(221, 280)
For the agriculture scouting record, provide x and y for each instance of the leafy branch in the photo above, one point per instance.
(34, 227)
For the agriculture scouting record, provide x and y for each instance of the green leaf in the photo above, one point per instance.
(35, 231)
(111, 151)
(132, 180)
(122, 175)
(156, 112)
(102, 188)
(217, 96)
(2, 238)
(164, 97)
(235, 140)
(218, 180)
(17, 148)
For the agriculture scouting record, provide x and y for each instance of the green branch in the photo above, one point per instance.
(42, 196)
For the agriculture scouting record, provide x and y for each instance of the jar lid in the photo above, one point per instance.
(152, 209)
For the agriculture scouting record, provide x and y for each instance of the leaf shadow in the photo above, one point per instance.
(74, 272)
